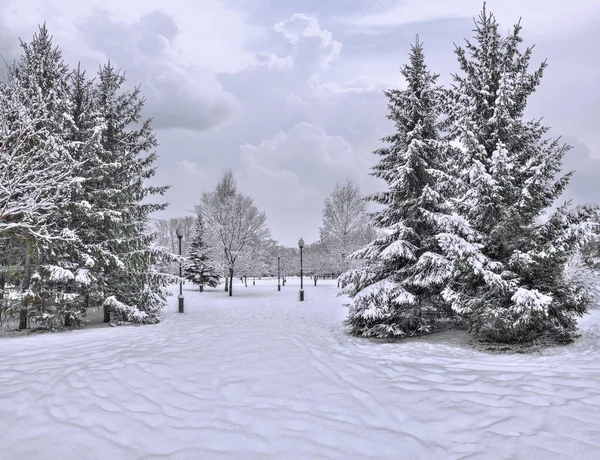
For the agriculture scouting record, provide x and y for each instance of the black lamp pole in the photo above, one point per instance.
(278, 285)
(179, 233)
(301, 245)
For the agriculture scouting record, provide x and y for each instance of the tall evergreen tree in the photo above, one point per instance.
(510, 282)
(399, 285)
(44, 76)
(199, 268)
(133, 289)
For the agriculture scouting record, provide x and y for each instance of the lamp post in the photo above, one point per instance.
(301, 245)
(179, 233)
(278, 285)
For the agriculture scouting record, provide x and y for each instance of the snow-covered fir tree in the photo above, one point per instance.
(89, 199)
(43, 75)
(33, 183)
(396, 292)
(132, 287)
(510, 283)
(198, 267)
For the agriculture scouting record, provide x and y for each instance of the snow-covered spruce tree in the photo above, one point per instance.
(199, 268)
(43, 77)
(132, 288)
(510, 284)
(89, 199)
(33, 182)
(396, 293)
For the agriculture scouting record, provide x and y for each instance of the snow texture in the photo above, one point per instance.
(262, 376)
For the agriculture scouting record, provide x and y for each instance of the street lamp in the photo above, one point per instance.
(301, 245)
(278, 285)
(179, 233)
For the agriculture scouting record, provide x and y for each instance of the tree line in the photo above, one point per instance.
(229, 238)
(75, 153)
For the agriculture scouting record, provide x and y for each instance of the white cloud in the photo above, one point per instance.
(312, 44)
(313, 48)
(291, 173)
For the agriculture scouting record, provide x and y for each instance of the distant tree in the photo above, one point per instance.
(583, 271)
(199, 268)
(317, 261)
(234, 221)
(165, 231)
(256, 262)
(345, 224)
(289, 262)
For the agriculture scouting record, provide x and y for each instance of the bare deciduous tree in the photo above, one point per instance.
(345, 225)
(234, 222)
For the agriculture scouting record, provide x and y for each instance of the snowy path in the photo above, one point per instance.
(263, 376)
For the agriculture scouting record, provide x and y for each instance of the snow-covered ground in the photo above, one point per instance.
(264, 376)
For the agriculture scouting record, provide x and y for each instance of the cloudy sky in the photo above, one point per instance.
(289, 93)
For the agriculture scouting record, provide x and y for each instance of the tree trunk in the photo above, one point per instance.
(201, 288)
(245, 281)
(68, 320)
(253, 282)
(230, 282)
(315, 279)
(106, 314)
(26, 281)
(226, 283)
(2, 285)
(23, 318)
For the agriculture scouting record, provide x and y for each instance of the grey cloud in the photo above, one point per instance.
(292, 173)
(569, 96)
(178, 96)
(276, 90)
(583, 188)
